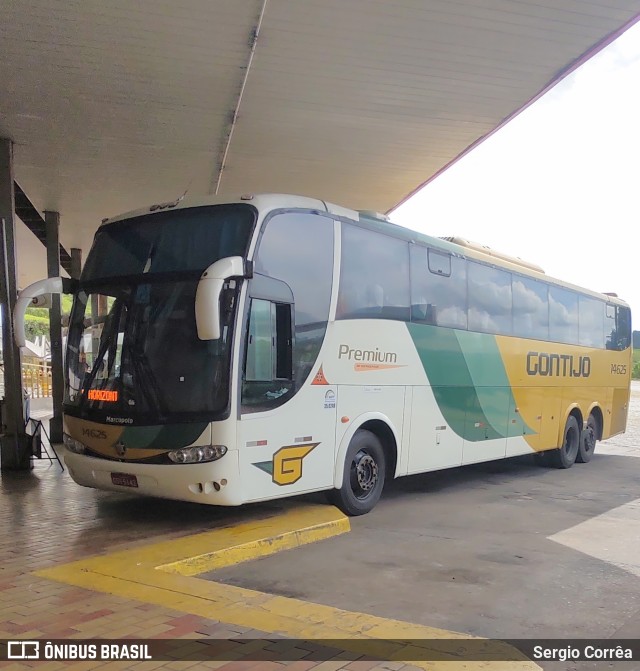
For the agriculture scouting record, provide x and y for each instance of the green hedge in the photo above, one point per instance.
(35, 325)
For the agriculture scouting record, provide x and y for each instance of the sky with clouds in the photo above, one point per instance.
(560, 184)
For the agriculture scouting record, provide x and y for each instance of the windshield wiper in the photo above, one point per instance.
(105, 340)
(91, 376)
(146, 381)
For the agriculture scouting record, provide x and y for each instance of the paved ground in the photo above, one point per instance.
(47, 521)
(470, 551)
(629, 442)
(497, 550)
(488, 550)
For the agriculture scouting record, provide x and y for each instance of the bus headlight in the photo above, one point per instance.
(73, 445)
(197, 455)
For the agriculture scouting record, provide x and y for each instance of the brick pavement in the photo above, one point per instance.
(48, 520)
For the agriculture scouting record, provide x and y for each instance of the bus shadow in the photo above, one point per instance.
(607, 482)
(486, 473)
(181, 515)
(121, 518)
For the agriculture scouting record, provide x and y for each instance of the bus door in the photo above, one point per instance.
(286, 432)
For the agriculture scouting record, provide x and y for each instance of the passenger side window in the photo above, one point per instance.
(530, 308)
(438, 288)
(439, 262)
(563, 315)
(374, 283)
(489, 299)
(590, 322)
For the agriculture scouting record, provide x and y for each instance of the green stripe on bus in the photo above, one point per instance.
(491, 382)
(468, 380)
(169, 436)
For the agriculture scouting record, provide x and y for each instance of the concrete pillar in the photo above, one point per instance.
(52, 220)
(76, 263)
(14, 444)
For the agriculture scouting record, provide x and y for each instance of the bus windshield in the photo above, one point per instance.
(133, 354)
(177, 241)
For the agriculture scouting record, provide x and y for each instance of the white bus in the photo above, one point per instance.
(240, 350)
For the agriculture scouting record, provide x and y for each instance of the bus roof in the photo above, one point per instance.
(464, 248)
(379, 222)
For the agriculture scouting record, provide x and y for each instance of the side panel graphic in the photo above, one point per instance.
(469, 382)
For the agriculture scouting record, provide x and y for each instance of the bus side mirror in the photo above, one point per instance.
(208, 293)
(28, 298)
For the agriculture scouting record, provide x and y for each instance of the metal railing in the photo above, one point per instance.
(36, 379)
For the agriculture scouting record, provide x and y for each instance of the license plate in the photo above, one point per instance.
(124, 479)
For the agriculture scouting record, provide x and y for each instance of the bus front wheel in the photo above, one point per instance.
(363, 477)
(566, 455)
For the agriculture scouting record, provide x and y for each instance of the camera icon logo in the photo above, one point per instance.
(23, 649)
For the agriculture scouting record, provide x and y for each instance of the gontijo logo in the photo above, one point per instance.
(286, 466)
(558, 365)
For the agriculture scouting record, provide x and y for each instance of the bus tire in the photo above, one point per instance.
(588, 441)
(363, 477)
(566, 455)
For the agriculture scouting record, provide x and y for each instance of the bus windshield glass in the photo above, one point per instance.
(133, 354)
(176, 241)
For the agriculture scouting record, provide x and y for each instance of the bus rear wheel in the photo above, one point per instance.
(566, 455)
(363, 476)
(588, 440)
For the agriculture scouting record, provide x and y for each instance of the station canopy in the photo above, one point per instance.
(116, 104)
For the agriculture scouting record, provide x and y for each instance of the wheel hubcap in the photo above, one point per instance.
(364, 474)
(570, 441)
(590, 439)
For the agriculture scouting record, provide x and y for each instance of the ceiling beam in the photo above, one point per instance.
(33, 220)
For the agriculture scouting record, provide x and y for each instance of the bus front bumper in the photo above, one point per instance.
(213, 483)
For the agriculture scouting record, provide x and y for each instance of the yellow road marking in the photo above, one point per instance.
(162, 574)
(248, 541)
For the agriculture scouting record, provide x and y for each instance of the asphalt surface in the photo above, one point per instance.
(472, 550)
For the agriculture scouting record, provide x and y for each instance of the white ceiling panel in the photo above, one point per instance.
(114, 104)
